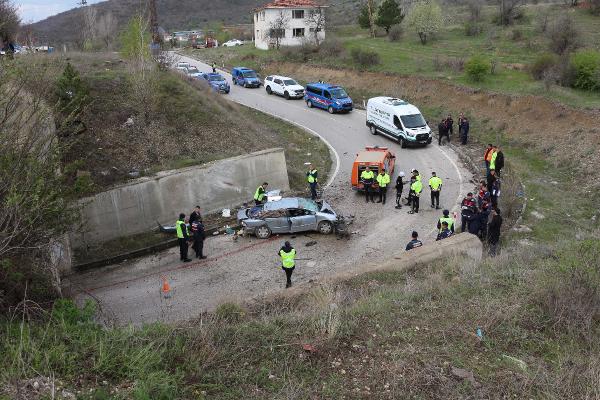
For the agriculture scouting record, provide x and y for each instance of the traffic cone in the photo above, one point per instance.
(166, 288)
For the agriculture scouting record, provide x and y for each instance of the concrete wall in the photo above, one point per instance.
(136, 206)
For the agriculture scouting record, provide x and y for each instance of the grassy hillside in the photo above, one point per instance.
(513, 49)
(173, 15)
(189, 125)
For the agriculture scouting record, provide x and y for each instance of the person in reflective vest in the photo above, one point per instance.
(367, 177)
(383, 180)
(288, 263)
(435, 184)
(493, 158)
(182, 238)
(312, 179)
(260, 194)
(415, 191)
(447, 219)
(444, 233)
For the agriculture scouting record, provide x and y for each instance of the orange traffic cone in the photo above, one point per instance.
(166, 288)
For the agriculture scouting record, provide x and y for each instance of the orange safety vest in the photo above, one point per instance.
(488, 154)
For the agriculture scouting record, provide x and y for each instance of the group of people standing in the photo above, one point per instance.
(446, 129)
(190, 230)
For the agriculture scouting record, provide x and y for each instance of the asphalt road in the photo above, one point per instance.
(249, 268)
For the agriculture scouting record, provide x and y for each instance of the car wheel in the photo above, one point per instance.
(286, 95)
(330, 110)
(269, 91)
(402, 143)
(245, 85)
(325, 227)
(263, 232)
(373, 130)
(309, 104)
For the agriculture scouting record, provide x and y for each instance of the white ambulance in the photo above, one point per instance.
(398, 120)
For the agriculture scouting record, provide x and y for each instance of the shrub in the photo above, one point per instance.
(516, 35)
(563, 35)
(586, 66)
(477, 67)
(331, 48)
(473, 28)
(395, 33)
(365, 58)
(229, 312)
(541, 64)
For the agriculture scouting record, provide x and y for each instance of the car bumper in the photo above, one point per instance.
(417, 143)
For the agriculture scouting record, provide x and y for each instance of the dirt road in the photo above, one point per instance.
(249, 268)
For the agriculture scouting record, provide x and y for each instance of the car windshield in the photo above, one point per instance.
(338, 93)
(215, 78)
(309, 205)
(290, 82)
(413, 121)
(249, 74)
(193, 70)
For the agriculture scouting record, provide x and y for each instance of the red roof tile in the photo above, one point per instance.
(291, 4)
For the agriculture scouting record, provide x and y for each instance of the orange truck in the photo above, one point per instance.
(374, 157)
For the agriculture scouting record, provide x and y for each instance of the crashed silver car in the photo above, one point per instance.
(288, 215)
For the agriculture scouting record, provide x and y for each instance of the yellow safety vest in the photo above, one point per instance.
(383, 180)
(417, 187)
(259, 194)
(435, 182)
(493, 160)
(180, 226)
(287, 259)
(311, 178)
(448, 220)
(367, 175)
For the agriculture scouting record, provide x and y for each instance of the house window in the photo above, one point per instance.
(277, 33)
(298, 14)
(312, 30)
(256, 17)
(298, 32)
(262, 16)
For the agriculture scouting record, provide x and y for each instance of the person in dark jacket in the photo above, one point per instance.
(463, 129)
(442, 131)
(490, 180)
(467, 209)
(195, 215)
(198, 236)
(474, 226)
(415, 242)
(495, 192)
(445, 232)
(493, 232)
(399, 189)
(499, 160)
(450, 124)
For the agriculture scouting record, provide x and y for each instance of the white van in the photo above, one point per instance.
(398, 120)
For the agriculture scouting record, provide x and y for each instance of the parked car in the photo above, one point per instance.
(245, 77)
(217, 82)
(284, 86)
(288, 215)
(233, 43)
(332, 98)
(193, 72)
(398, 120)
(182, 66)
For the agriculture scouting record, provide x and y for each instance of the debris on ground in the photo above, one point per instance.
(311, 243)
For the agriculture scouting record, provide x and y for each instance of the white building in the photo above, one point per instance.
(289, 23)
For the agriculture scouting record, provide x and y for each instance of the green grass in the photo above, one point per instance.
(409, 57)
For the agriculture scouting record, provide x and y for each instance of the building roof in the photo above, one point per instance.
(291, 4)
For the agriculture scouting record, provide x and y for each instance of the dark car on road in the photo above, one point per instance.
(217, 82)
(245, 77)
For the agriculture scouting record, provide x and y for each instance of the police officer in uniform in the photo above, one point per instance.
(447, 219)
(198, 236)
(416, 187)
(367, 177)
(312, 178)
(182, 238)
(415, 242)
(288, 263)
(383, 180)
(259, 195)
(435, 184)
(444, 232)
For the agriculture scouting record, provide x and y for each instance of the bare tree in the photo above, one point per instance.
(106, 29)
(508, 10)
(9, 22)
(316, 23)
(90, 18)
(35, 209)
(277, 29)
(371, 11)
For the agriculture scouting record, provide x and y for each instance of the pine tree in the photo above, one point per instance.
(388, 14)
